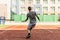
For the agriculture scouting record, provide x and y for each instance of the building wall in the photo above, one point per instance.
(48, 6)
(20, 6)
(5, 8)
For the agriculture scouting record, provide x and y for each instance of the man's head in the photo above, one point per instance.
(29, 8)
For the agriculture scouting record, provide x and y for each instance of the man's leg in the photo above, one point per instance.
(29, 33)
(29, 30)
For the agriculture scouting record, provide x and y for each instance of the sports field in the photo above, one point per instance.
(40, 32)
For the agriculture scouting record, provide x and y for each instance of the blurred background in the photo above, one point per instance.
(16, 10)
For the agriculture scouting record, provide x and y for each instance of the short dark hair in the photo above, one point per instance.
(29, 8)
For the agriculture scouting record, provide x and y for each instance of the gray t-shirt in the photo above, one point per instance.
(32, 16)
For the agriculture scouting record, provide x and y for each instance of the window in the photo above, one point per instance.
(58, 1)
(52, 1)
(37, 1)
(58, 8)
(45, 13)
(37, 8)
(22, 2)
(52, 9)
(22, 9)
(58, 13)
(45, 9)
(45, 1)
(52, 13)
(30, 1)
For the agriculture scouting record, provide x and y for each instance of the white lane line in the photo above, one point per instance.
(49, 30)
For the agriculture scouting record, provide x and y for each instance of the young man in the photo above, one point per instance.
(32, 16)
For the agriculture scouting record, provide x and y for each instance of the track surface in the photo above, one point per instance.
(38, 33)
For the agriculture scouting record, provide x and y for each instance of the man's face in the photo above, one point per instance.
(29, 8)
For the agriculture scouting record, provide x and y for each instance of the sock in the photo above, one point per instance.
(28, 31)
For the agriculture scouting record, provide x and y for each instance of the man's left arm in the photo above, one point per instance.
(37, 16)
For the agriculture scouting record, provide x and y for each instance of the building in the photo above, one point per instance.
(48, 6)
(5, 8)
(40, 6)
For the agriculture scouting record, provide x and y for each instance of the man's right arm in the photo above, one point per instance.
(25, 19)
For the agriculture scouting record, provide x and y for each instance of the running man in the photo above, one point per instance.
(32, 16)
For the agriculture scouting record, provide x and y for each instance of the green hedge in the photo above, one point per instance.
(17, 18)
(43, 18)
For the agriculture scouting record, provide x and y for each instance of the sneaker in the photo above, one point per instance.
(28, 36)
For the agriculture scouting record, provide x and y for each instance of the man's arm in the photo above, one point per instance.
(38, 17)
(26, 19)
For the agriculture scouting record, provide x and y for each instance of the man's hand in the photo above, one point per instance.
(23, 21)
(39, 19)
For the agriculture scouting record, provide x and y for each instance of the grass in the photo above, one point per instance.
(3, 26)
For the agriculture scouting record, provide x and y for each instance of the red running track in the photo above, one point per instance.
(38, 33)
